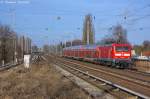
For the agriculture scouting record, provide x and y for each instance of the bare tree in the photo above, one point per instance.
(119, 35)
(8, 42)
(146, 45)
(35, 48)
(46, 48)
(12, 47)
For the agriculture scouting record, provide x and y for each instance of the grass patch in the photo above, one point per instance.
(39, 82)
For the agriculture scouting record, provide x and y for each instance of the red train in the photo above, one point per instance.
(115, 55)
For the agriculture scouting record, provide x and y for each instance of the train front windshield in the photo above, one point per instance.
(122, 48)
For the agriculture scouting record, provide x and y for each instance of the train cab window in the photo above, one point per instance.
(122, 48)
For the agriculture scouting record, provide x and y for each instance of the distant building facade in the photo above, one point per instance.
(88, 31)
(73, 43)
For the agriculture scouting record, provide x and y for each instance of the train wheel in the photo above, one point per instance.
(113, 65)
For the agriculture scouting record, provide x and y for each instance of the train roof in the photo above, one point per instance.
(93, 46)
(81, 47)
(115, 44)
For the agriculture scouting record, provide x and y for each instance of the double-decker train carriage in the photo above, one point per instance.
(115, 55)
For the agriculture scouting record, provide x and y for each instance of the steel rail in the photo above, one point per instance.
(110, 83)
(141, 80)
(119, 76)
(7, 66)
(88, 80)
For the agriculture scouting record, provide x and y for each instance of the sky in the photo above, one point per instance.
(53, 21)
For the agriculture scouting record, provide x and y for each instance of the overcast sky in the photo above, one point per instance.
(52, 21)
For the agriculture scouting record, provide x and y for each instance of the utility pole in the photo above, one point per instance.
(13, 15)
(15, 52)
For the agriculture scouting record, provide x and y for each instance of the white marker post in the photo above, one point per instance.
(26, 61)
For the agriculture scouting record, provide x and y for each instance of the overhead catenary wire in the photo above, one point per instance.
(82, 13)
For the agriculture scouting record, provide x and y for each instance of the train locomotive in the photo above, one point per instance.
(114, 55)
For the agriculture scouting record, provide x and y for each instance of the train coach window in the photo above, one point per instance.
(122, 48)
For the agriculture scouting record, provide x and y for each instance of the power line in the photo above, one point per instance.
(141, 9)
(136, 19)
(134, 12)
(132, 21)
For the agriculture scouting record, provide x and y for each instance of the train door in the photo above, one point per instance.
(110, 52)
(100, 52)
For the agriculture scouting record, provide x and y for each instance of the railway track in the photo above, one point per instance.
(134, 85)
(97, 82)
(144, 77)
(5, 67)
